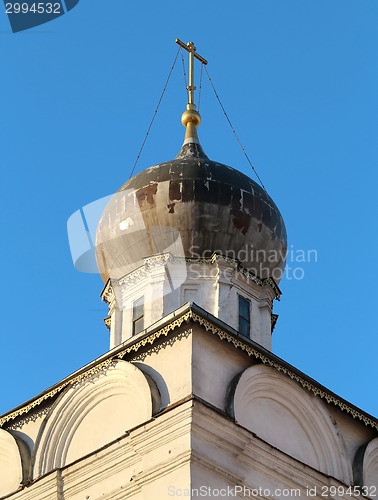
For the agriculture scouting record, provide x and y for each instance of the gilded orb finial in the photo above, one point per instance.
(191, 118)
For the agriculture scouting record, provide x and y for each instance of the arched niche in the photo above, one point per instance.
(11, 475)
(283, 414)
(91, 414)
(370, 467)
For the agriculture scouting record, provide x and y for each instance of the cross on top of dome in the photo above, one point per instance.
(191, 118)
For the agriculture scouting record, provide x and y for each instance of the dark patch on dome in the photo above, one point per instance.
(241, 220)
(147, 194)
(174, 190)
(213, 208)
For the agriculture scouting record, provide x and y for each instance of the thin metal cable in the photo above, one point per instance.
(233, 130)
(155, 113)
(183, 67)
(200, 88)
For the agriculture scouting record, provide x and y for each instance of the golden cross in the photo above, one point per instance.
(190, 47)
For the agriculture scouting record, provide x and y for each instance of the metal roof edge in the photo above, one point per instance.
(166, 325)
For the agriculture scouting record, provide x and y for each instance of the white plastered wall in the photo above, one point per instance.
(10, 464)
(370, 468)
(280, 412)
(91, 414)
(168, 284)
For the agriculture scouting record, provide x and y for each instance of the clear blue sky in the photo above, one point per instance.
(299, 79)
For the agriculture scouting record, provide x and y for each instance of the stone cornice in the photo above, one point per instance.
(107, 295)
(169, 325)
(125, 452)
(274, 320)
(250, 453)
(192, 430)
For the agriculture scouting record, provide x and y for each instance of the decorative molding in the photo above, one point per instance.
(56, 390)
(169, 342)
(33, 417)
(163, 332)
(120, 400)
(251, 276)
(237, 342)
(143, 271)
(274, 318)
(158, 260)
(107, 294)
(302, 427)
(107, 465)
(108, 322)
(93, 374)
(251, 351)
(134, 276)
(97, 368)
(162, 259)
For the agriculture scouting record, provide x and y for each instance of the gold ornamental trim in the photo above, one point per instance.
(50, 394)
(154, 336)
(215, 330)
(306, 384)
(96, 369)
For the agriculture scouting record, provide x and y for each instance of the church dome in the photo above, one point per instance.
(191, 207)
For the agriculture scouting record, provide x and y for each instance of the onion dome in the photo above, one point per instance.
(191, 207)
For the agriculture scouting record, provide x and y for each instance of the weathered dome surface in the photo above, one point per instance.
(191, 207)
